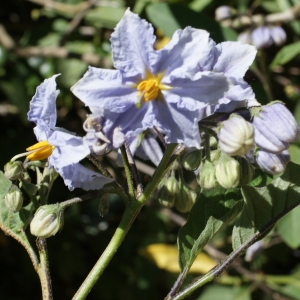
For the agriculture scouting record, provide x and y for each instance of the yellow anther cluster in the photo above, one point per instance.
(39, 151)
(149, 88)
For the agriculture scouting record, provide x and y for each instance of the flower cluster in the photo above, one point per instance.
(263, 36)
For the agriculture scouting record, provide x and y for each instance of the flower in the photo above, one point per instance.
(63, 149)
(163, 89)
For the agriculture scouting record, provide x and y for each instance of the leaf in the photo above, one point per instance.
(166, 257)
(12, 223)
(211, 212)
(198, 5)
(286, 54)
(289, 228)
(294, 151)
(170, 17)
(105, 16)
(225, 293)
(265, 205)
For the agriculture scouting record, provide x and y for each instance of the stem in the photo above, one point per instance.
(118, 189)
(217, 270)
(43, 270)
(131, 211)
(128, 172)
(134, 171)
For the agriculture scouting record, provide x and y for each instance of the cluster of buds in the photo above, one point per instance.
(176, 193)
(263, 36)
(257, 33)
(263, 141)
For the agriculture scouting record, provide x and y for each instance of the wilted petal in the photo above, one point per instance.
(43, 104)
(77, 176)
(150, 149)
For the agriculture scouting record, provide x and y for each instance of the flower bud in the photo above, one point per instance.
(275, 127)
(222, 12)
(172, 185)
(261, 37)
(185, 199)
(236, 136)
(13, 170)
(272, 163)
(13, 199)
(192, 160)
(228, 173)
(47, 221)
(245, 37)
(206, 177)
(278, 35)
(165, 198)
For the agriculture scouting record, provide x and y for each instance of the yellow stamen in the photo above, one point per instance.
(150, 88)
(39, 151)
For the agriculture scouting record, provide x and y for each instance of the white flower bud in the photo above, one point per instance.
(206, 177)
(228, 173)
(13, 199)
(236, 136)
(47, 221)
(223, 12)
(13, 170)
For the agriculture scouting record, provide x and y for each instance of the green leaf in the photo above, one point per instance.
(198, 5)
(13, 223)
(286, 54)
(225, 293)
(213, 210)
(294, 151)
(265, 205)
(105, 16)
(170, 17)
(289, 228)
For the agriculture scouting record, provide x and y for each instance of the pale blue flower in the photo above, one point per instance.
(67, 149)
(163, 89)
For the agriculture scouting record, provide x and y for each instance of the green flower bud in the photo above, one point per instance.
(172, 185)
(228, 173)
(215, 155)
(185, 199)
(206, 177)
(236, 136)
(246, 171)
(13, 199)
(47, 221)
(192, 160)
(13, 170)
(165, 198)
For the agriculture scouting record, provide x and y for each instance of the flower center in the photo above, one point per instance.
(39, 151)
(149, 89)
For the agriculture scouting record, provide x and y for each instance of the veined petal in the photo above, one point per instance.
(209, 88)
(77, 176)
(132, 45)
(179, 125)
(234, 58)
(189, 51)
(150, 149)
(43, 104)
(69, 149)
(105, 89)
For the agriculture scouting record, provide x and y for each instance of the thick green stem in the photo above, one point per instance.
(131, 211)
(43, 269)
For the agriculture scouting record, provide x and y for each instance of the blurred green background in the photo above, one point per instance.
(39, 38)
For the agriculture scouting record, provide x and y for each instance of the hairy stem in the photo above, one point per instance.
(131, 211)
